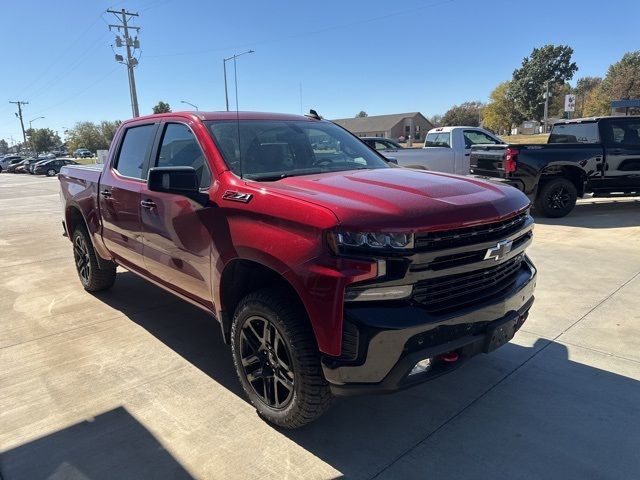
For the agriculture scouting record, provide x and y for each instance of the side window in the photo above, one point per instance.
(626, 132)
(180, 149)
(474, 137)
(134, 150)
(382, 146)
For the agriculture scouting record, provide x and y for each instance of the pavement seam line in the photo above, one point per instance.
(499, 382)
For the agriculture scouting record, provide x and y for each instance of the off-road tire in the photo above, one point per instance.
(311, 394)
(556, 198)
(95, 277)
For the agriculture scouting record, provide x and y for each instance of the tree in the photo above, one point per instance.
(501, 114)
(162, 107)
(42, 139)
(622, 82)
(436, 120)
(108, 130)
(468, 113)
(362, 114)
(584, 92)
(4, 147)
(550, 64)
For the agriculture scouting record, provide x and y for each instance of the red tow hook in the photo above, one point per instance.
(449, 357)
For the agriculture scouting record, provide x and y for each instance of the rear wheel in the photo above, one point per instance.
(93, 276)
(277, 359)
(556, 197)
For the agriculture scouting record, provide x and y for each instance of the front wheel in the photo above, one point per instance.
(556, 198)
(277, 359)
(51, 172)
(93, 277)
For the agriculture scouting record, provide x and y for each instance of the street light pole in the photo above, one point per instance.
(189, 103)
(33, 142)
(546, 104)
(224, 67)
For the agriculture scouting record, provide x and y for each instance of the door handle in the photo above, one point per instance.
(106, 193)
(616, 151)
(148, 204)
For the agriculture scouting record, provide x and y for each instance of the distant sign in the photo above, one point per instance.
(569, 103)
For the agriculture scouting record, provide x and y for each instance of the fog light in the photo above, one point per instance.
(420, 367)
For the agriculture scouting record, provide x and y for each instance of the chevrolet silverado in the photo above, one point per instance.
(330, 271)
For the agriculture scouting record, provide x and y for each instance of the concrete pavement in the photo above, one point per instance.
(133, 383)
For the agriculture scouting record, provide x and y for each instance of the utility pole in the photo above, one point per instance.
(131, 45)
(19, 115)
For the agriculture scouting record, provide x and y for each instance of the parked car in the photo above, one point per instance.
(598, 155)
(41, 159)
(330, 272)
(381, 144)
(60, 152)
(8, 160)
(23, 167)
(446, 149)
(51, 167)
(82, 153)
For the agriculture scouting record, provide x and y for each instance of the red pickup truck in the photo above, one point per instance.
(329, 270)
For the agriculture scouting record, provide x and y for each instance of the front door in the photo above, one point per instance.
(622, 154)
(119, 196)
(177, 240)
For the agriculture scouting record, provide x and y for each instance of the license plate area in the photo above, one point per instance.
(499, 334)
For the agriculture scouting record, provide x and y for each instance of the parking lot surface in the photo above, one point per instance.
(134, 383)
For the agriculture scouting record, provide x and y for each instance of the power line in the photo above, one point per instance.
(131, 45)
(19, 115)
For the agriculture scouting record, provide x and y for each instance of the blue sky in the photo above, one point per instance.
(377, 56)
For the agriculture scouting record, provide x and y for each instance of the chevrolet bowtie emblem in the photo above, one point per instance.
(499, 251)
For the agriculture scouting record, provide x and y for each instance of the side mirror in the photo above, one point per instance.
(392, 160)
(177, 180)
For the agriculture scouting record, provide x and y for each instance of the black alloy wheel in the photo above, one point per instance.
(81, 255)
(556, 197)
(266, 362)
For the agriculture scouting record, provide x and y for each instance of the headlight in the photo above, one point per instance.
(373, 240)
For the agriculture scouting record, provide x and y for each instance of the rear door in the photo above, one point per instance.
(119, 195)
(176, 230)
(622, 153)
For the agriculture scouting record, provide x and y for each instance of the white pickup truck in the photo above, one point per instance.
(446, 149)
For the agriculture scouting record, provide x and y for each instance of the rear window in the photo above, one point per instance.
(575, 133)
(438, 139)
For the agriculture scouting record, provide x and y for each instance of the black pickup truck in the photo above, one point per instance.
(587, 155)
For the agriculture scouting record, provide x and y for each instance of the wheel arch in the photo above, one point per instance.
(571, 172)
(242, 276)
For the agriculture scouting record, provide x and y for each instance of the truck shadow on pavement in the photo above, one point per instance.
(613, 213)
(110, 445)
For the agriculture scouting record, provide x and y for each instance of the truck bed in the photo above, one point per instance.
(79, 185)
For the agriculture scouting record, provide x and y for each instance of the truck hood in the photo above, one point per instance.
(400, 198)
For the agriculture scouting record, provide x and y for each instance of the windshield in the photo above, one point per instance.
(272, 149)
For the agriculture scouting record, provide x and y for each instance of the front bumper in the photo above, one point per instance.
(391, 338)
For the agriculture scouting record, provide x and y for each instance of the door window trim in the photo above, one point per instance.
(157, 145)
